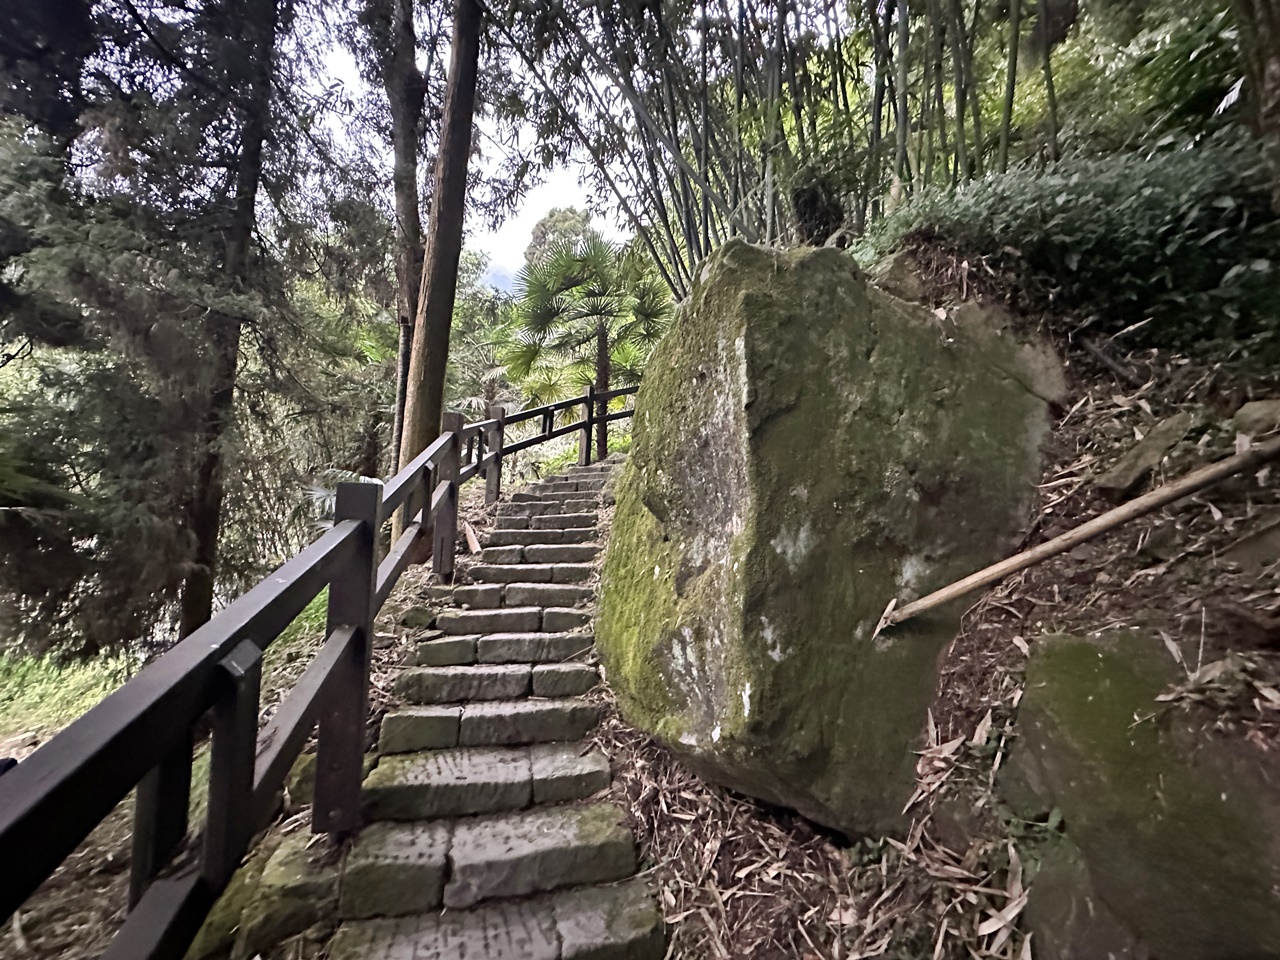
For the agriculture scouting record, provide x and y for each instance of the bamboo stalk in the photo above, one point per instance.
(1193, 482)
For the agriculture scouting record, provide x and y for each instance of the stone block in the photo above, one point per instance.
(536, 851)
(511, 554)
(621, 922)
(481, 596)
(526, 721)
(503, 620)
(448, 783)
(547, 594)
(563, 521)
(511, 573)
(563, 679)
(457, 684)
(567, 771)
(419, 728)
(556, 619)
(571, 572)
(532, 647)
(394, 869)
(502, 931)
(561, 553)
(445, 652)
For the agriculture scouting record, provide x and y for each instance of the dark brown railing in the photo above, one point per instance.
(143, 734)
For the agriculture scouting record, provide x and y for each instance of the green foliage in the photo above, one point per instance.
(560, 225)
(1183, 236)
(579, 297)
(43, 694)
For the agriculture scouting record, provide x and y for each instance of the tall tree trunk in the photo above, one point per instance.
(904, 124)
(406, 91)
(1050, 93)
(204, 509)
(444, 239)
(1011, 81)
(602, 387)
(1259, 24)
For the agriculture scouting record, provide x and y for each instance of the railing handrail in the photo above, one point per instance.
(140, 735)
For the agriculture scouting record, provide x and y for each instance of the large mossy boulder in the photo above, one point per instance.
(807, 447)
(1172, 834)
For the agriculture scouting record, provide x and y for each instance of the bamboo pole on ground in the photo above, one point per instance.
(1193, 482)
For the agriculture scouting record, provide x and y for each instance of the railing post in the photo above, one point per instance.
(444, 539)
(229, 824)
(493, 440)
(159, 816)
(340, 750)
(584, 438)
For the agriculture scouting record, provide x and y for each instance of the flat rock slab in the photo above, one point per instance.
(511, 554)
(479, 596)
(547, 594)
(526, 721)
(563, 679)
(504, 931)
(508, 620)
(445, 652)
(448, 783)
(561, 521)
(560, 553)
(420, 728)
(610, 923)
(557, 619)
(518, 854)
(512, 573)
(456, 684)
(506, 537)
(394, 869)
(567, 771)
(532, 647)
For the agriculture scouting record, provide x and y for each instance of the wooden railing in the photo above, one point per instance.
(143, 734)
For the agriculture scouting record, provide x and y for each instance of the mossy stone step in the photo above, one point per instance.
(514, 855)
(490, 681)
(506, 537)
(476, 780)
(394, 869)
(564, 679)
(619, 922)
(531, 572)
(546, 594)
(502, 648)
(493, 723)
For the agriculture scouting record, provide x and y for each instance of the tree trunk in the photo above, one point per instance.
(1259, 24)
(904, 124)
(406, 91)
(430, 354)
(1051, 96)
(204, 509)
(1011, 81)
(602, 387)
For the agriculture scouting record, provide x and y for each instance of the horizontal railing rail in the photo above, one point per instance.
(142, 736)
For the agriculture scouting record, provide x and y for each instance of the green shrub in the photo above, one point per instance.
(1184, 236)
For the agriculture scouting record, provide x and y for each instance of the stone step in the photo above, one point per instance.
(551, 521)
(560, 553)
(618, 922)
(478, 596)
(506, 620)
(547, 594)
(563, 521)
(502, 648)
(564, 619)
(588, 500)
(515, 855)
(551, 504)
(508, 537)
(475, 780)
(564, 679)
(491, 724)
(455, 684)
(395, 869)
(531, 572)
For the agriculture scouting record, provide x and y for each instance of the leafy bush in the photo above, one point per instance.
(1183, 235)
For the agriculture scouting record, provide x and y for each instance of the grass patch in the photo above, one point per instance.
(40, 694)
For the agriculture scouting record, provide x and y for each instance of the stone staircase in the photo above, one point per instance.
(484, 840)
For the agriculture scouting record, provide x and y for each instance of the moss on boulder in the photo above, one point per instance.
(807, 447)
(1177, 831)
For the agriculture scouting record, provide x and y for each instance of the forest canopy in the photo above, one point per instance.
(214, 217)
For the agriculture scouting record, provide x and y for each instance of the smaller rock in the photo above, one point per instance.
(1143, 457)
(1257, 417)
(445, 652)
(558, 619)
(484, 596)
(618, 923)
(300, 785)
(298, 889)
(419, 728)
(395, 869)
(567, 771)
(899, 275)
(563, 679)
(416, 617)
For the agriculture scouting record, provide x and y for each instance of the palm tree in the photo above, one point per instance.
(588, 311)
